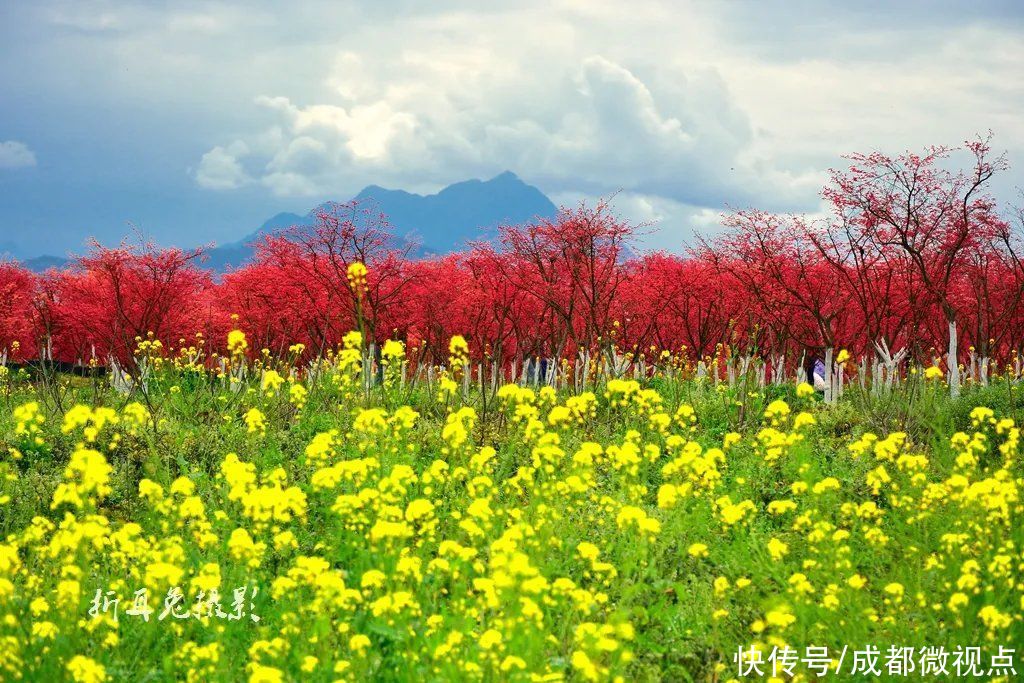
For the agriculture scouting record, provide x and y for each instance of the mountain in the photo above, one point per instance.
(435, 223)
(40, 264)
(461, 212)
(235, 254)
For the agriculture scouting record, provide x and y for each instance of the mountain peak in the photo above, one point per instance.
(461, 212)
(373, 191)
(505, 177)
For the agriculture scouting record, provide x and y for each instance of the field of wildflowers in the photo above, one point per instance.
(265, 519)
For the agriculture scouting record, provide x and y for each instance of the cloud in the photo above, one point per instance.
(14, 154)
(221, 168)
(689, 105)
(453, 111)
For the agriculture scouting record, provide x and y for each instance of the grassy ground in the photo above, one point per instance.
(644, 531)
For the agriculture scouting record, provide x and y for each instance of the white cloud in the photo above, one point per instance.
(689, 106)
(587, 123)
(14, 154)
(221, 168)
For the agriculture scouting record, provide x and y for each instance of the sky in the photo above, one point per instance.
(193, 122)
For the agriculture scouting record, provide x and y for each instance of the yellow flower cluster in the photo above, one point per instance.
(356, 274)
(237, 343)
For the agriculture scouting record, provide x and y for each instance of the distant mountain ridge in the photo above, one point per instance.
(463, 211)
(439, 223)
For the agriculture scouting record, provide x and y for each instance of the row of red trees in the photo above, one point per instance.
(913, 256)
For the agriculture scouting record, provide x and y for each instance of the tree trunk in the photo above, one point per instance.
(778, 369)
(951, 362)
(890, 363)
(829, 374)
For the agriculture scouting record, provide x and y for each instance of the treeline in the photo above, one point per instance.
(913, 256)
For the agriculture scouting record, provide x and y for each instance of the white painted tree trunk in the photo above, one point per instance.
(829, 374)
(951, 362)
(778, 368)
(890, 362)
(744, 367)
